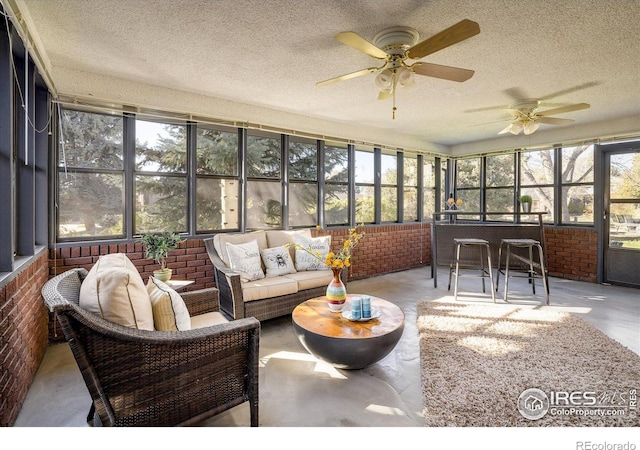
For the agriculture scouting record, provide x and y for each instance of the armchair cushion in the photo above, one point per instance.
(207, 320)
(114, 290)
(169, 311)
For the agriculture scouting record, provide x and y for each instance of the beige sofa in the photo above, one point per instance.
(270, 296)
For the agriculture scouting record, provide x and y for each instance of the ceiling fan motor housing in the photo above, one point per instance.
(527, 106)
(396, 40)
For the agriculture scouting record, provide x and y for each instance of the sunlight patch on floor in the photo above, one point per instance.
(490, 346)
(320, 367)
(386, 410)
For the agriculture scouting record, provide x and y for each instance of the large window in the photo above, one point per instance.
(577, 185)
(468, 181)
(336, 184)
(410, 186)
(303, 182)
(537, 170)
(365, 186)
(264, 181)
(90, 176)
(500, 185)
(389, 189)
(122, 175)
(428, 186)
(160, 177)
(217, 182)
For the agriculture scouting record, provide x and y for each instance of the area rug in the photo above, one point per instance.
(497, 365)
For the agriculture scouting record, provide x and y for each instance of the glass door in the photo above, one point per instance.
(621, 259)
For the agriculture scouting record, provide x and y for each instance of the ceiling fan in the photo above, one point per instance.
(527, 118)
(396, 46)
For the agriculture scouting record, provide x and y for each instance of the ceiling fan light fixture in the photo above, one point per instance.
(515, 128)
(530, 127)
(384, 80)
(405, 77)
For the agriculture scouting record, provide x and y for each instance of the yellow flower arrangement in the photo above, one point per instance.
(342, 258)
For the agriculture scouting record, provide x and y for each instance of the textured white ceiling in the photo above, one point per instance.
(258, 61)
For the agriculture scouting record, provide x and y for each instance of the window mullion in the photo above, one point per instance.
(129, 148)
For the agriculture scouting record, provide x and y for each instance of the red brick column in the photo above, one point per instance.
(572, 253)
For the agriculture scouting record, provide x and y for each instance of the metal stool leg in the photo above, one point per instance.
(499, 266)
(532, 273)
(506, 274)
(483, 269)
(455, 248)
(493, 291)
(545, 281)
(455, 291)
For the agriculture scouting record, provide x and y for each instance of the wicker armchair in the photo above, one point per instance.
(158, 378)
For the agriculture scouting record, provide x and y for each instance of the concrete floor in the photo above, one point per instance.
(296, 390)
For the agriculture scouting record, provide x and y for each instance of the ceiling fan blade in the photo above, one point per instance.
(347, 76)
(359, 43)
(444, 72)
(563, 109)
(452, 35)
(554, 120)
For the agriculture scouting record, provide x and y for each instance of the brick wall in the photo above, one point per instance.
(572, 253)
(386, 249)
(23, 335)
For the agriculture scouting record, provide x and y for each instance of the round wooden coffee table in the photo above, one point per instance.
(344, 343)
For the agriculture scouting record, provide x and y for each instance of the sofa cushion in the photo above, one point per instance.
(245, 260)
(306, 261)
(311, 278)
(220, 241)
(207, 320)
(169, 311)
(114, 290)
(268, 287)
(278, 261)
(277, 238)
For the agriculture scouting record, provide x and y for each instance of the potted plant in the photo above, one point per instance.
(157, 246)
(525, 201)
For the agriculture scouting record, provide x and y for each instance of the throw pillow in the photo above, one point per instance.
(114, 290)
(306, 261)
(245, 259)
(278, 261)
(169, 311)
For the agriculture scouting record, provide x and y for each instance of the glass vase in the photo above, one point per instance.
(336, 292)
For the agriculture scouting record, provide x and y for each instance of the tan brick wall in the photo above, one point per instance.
(23, 336)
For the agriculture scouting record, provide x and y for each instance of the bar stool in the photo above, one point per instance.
(454, 268)
(531, 273)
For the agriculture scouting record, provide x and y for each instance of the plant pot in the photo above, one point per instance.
(163, 275)
(526, 207)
